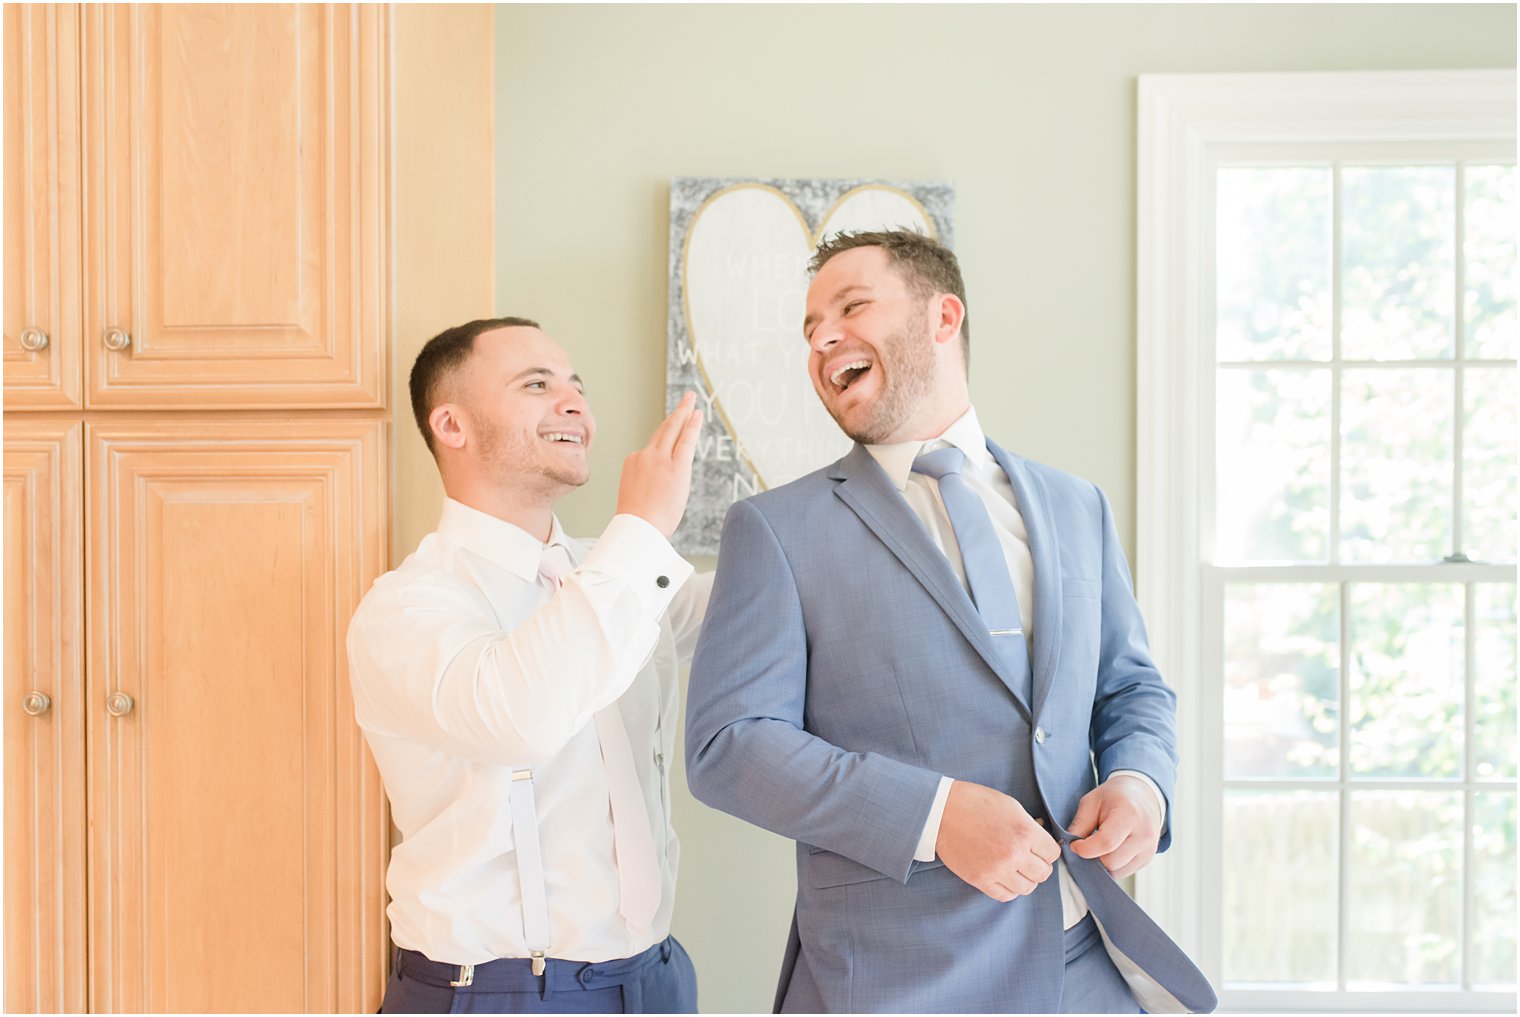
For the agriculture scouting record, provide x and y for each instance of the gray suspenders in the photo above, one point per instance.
(530, 868)
(530, 874)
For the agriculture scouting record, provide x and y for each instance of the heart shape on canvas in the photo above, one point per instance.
(744, 281)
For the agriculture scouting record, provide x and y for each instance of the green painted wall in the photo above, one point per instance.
(1029, 110)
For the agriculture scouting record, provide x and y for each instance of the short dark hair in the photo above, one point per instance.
(927, 266)
(441, 356)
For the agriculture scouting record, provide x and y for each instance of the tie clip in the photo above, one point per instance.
(1005, 632)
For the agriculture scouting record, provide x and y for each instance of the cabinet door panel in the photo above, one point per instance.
(44, 753)
(238, 825)
(234, 166)
(42, 238)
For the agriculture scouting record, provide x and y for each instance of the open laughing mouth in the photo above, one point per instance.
(847, 374)
(565, 437)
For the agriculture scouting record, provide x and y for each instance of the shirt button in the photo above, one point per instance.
(662, 582)
(1039, 735)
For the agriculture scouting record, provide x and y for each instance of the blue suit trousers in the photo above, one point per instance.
(659, 980)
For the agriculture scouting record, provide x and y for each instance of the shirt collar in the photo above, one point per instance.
(496, 540)
(965, 434)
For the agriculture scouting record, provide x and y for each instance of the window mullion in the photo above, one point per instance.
(1469, 594)
(1458, 538)
(1469, 775)
(1375, 365)
(1343, 833)
(1335, 364)
(1364, 783)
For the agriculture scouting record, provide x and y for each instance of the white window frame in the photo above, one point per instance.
(1189, 124)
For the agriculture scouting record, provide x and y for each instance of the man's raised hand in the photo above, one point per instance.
(657, 478)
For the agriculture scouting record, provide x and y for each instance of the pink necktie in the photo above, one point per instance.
(633, 844)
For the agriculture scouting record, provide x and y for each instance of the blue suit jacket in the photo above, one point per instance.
(842, 669)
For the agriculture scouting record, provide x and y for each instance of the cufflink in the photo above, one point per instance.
(662, 582)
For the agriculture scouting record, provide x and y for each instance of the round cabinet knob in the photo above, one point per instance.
(36, 703)
(34, 340)
(119, 704)
(116, 339)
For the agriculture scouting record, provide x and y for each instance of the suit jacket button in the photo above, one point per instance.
(662, 582)
(1039, 735)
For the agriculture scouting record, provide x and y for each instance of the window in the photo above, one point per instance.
(1327, 471)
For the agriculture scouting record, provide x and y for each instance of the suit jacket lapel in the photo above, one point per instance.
(1045, 612)
(871, 496)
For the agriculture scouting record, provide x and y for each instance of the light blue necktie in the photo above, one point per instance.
(982, 555)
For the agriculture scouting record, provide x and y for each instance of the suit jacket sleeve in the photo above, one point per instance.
(748, 751)
(1134, 711)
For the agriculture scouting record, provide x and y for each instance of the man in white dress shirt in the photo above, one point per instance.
(518, 690)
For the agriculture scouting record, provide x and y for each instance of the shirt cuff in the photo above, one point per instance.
(930, 835)
(631, 550)
(1155, 790)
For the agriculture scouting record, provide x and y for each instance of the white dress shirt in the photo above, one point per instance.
(984, 476)
(466, 667)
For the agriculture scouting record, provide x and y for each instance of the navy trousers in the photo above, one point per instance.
(659, 980)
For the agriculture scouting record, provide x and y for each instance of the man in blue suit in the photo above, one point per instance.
(925, 664)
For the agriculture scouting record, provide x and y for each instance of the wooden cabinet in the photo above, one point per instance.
(195, 219)
(44, 262)
(196, 206)
(44, 718)
(236, 858)
(234, 159)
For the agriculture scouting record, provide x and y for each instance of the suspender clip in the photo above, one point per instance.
(538, 962)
